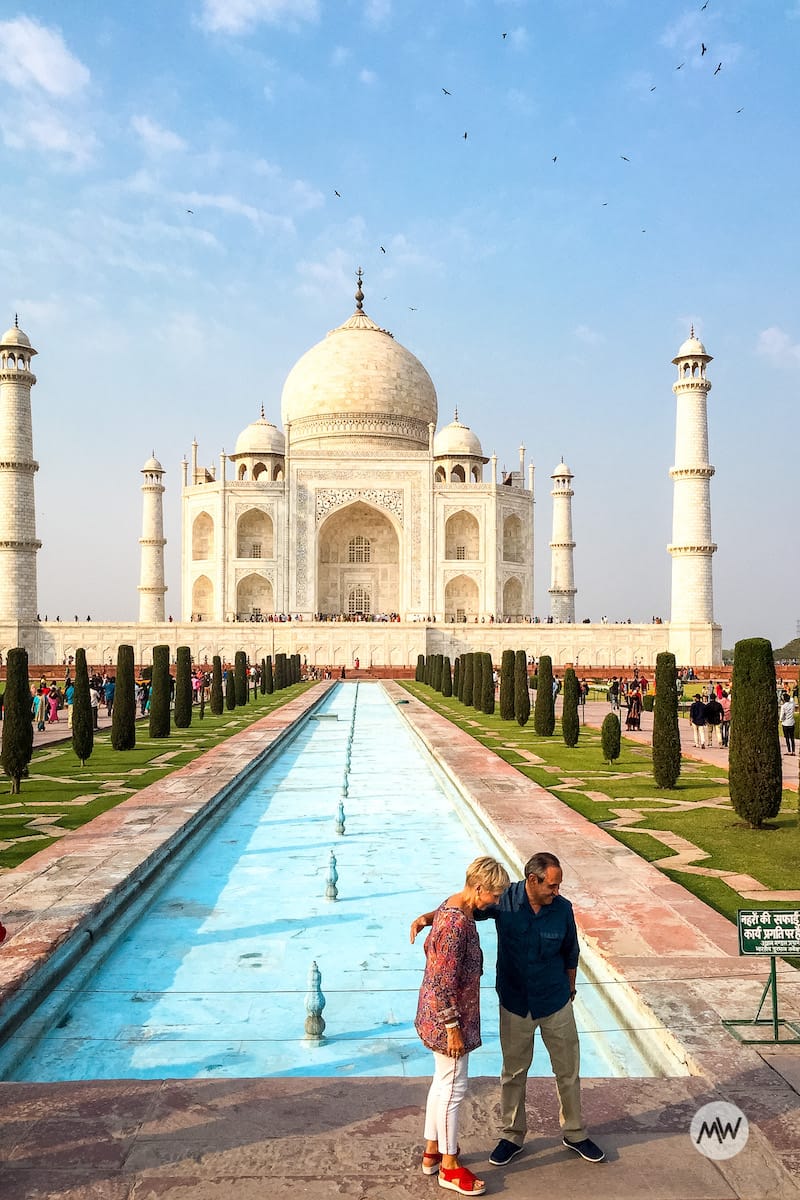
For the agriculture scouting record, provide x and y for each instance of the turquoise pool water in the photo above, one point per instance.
(209, 978)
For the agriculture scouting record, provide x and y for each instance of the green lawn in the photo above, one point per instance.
(61, 794)
(769, 855)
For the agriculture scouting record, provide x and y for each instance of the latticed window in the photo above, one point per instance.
(358, 602)
(256, 551)
(359, 549)
(461, 552)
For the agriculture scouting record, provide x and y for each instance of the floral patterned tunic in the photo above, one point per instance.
(451, 984)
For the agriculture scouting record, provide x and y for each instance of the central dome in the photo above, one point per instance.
(359, 383)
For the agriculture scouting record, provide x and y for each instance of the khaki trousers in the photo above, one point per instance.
(560, 1036)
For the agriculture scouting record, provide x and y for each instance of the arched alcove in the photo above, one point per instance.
(254, 535)
(202, 537)
(461, 599)
(203, 599)
(512, 539)
(253, 597)
(512, 599)
(358, 546)
(462, 537)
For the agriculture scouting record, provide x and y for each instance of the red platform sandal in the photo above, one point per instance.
(432, 1161)
(461, 1179)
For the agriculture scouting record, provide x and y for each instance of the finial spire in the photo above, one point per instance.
(456, 412)
(262, 412)
(359, 293)
(692, 333)
(16, 320)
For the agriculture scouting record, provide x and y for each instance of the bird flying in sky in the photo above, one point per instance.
(719, 68)
(446, 92)
(703, 48)
(339, 194)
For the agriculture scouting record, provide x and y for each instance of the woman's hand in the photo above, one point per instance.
(455, 1042)
(417, 926)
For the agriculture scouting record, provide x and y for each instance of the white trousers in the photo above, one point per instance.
(447, 1090)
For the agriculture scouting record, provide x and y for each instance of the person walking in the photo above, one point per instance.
(787, 721)
(697, 720)
(725, 724)
(448, 1016)
(537, 960)
(714, 715)
(40, 709)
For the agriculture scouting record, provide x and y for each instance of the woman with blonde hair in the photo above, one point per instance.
(448, 1016)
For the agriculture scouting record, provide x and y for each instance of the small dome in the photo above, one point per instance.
(456, 441)
(152, 464)
(262, 437)
(561, 471)
(692, 348)
(15, 337)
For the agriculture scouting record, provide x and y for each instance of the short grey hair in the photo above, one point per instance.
(539, 864)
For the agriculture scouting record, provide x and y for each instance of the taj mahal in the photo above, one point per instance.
(360, 529)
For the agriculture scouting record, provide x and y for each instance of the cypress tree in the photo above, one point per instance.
(420, 675)
(666, 731)
(183, 688)
(487, 698)
(123, 714)
(466, 686)
(263, 680)
(426, 674)
(159, 693)
(280, 671)
(456, 676)
(447, 678)
(477, 680)
(570, 721)
(755, 774)
(215, 700)
(230, 690)
(269, 682)
(507, 685)
(522, 697)
(17, 725)
(298, 669)
(610, 737)
(82, 721)
(240, 678)
(203, 696)
(544, 713)
(438, 671)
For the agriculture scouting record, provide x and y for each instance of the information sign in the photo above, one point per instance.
(769, 931)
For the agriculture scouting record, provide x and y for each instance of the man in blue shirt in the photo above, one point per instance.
(537, 961)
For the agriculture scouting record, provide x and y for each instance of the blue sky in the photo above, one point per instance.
(546, 298)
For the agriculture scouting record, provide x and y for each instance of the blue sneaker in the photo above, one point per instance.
(503, 1152)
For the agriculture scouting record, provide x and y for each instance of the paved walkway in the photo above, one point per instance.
(360, 1139)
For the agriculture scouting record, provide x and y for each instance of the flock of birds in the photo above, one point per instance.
(624, 157)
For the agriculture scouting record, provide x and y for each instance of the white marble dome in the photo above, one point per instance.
(359, 383)
(152, 464)
(561, 470)
(15, 337)
(456, 441)
(692, 348)
(260, 437)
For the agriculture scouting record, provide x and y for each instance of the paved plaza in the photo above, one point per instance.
(360, 1138)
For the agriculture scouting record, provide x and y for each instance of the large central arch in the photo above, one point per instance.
(358, 562)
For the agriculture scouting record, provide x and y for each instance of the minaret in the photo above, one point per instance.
(152, 541)
(562, 574)
(692, 546)
(18, 541)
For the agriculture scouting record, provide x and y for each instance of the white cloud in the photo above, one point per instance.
(42, 128)
(589, 336)
(226, 203)
(378, 12)
(518, 37)
(332, 275)
(239, 16)
(686, 31)
(367, 76)
(34, 56)
(777, 345)
(340, 55)
(519, 101)
(155, 137)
